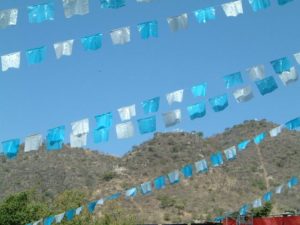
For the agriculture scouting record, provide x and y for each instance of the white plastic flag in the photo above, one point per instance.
(178, 22)
(277, 130)
(63, 48)
(120, 36)
(125, 130)
(33, 142)
(243, 94)
(126, 113)
(75, 7)
(172, 118)
(8, 17)
(176, 96)
(288, 77)
(256, 72)
(11, 60)
(233, 8)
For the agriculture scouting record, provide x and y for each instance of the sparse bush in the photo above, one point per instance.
(166, 201)
(263, 211)
(108, 176)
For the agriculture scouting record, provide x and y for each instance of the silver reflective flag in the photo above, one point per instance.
(75, 7)
(256, 72)
(178, 22)
(120, 36)
(233, 8)
(33, 142)
(288, 77)
(176, 96)
(172, 118)
(276, 131)
(125, 130)
(8, 17)
(79, 133)
(243, 94)
(63, 48)
(11, 60)
(279, 189)
(127, 112)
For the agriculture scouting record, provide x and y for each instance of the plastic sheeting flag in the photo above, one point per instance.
(11, 60)
(297, 57)
(259, 138)
(283, 2)
(293, 182)
(64, 48)
(78, 136)
(55, 138)
(120, 36)
(172, 118)
(38, 222)
(113, 4)
(176, 96)
(75, 7)
(243, 95)
(8, 17)
(104, 120)
(276, 131)
(159, 182)
(201, 166)
(266, 85)
(258, 5)
(113, 196)
(216, 159)
(148, 29)
(243, 145)
(293, 124)
(289, 77)
(279, 189)
(233, 9)
(125, 130)
(146, 188)
(199, 90)
(173, 177)
(256, 72)
(101, 135)
(41, 13)
(59, 217)
(219, 103)
(281, 65)
(78, 210)
(130, 193)
(36, 55)
(126, 113)
(49, 220)
(244, 210)
(70, 214)
(257, 203)
(10, 148)
(151, 105)
(187, 171)
(204, 15)
(33, 142)
(91, 206)
(178, 22)
(230, 153)
(147, 125)
(197, 110)
(92, 42)
(267, 196)
(233, 79)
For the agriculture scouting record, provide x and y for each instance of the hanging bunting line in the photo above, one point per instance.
(120, 36)
(147, 123)
(199, 167)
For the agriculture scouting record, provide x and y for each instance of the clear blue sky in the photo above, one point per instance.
(57, 92)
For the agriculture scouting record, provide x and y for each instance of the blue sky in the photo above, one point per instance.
(57, 92)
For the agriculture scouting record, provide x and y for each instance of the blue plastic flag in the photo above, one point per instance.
(267, 85)
(146, 188)
(92, 42)
(49, 220)
(91, 206)
(259, 138)
(283, 2)
(187, 171)
(147, 125)
(199, 90)
(159, 182)
(216, 159)
(243, 145)
(267, 197)
(55, 138)
(36, 55)
(219, 219)
(174, 177)
(259, 4)
(201, 166)
(244, 210)
(70, 214)
(293, 182)
(41, 13)
(148, 29)
(101, 135)
(230, 153)
(204, 15)
(113, 4)
(104, 120)
(10, 148)
(232, 80)
(281, 65)
(219, 103)
(293, 124)
(151, 105)
(131, 192)
(113, 197)
(197, 110)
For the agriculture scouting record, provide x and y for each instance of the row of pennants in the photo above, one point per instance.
(118, 36)
(126, 129)
(174, 177)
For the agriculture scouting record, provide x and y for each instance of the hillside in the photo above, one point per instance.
(203, 196)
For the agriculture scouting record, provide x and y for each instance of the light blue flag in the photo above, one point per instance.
(201, 166)
(92, 42)
(147, 125)
(267, 197)
(91, 206)
(148, 29)
(101, 135)
(70, 214)
(259, 4)
(104, 120)
(232, 80)
(204, 15)
(199, 90)
(146, 188)
(281, 65)
(216, 159)
(10, 148)
(113, 4)
(49, 220)
(293, 124)
(130, 193)
(259, 138)
(243, 145)
(283, 2)
(159, 183)
(244, 210)
(197, 110)
(266, 85)
(293, 182)
(230, 153)
(219, 103)
(151, 105)
(41, 13)
(187, 171)
(36, 55)
(174, 177)
(257, 203)
(55, 138)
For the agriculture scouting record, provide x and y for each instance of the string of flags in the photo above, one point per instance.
(201, 166)
(120, 36)
(148, 123)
